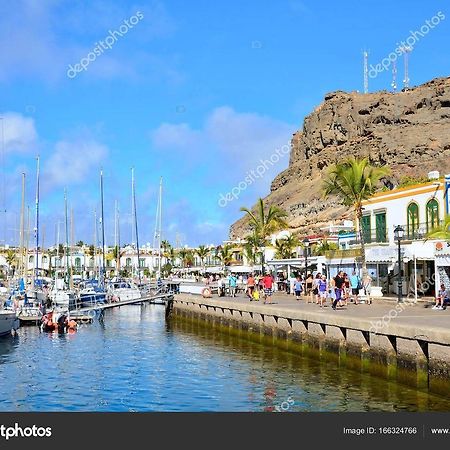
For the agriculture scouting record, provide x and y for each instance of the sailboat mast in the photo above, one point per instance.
(22, 229)
(57, 251)
(36, 274)
(133, 194)
(160, 225)
(95, 242)
(117, 235)
(103, 229)
(69, 278)
(27, 244)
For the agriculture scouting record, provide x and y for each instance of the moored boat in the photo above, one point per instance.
(8, 322)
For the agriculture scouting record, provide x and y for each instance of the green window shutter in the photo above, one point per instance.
(365, 229)
(413, 220)
(380, 223)
(432, 214)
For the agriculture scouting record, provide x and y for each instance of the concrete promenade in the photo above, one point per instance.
(401, 337)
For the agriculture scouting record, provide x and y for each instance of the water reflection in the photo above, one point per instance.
(135, 361)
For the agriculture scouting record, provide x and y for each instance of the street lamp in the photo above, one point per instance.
(398, 235)
(306, 245)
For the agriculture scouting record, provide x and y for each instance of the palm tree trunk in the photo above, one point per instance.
(363, 246)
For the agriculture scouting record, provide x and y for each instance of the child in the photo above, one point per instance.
(323, 290)
(298, 288)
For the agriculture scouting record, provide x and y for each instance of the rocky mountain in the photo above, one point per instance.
(408, 130)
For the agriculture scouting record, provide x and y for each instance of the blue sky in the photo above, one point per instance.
(196, 92)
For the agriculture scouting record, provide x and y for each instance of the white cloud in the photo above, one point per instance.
(175, 136)
(19, 132)
(72, 162)
(241, 139)
(246, 136)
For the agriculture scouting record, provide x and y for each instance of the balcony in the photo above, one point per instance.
(373, 236)
(419, 231)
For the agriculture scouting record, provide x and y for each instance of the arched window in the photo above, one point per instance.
(31, 259)
(432, 214)
(78, 262)
(413, 220)
(128, 262)
(44, 260)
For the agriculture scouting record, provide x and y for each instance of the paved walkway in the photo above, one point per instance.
(418, 316)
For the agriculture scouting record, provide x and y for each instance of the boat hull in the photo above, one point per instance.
(8, 322)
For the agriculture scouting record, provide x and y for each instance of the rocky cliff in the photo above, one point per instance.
(409, 131)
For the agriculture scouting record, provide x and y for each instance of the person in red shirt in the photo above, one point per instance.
(267, 283)
(250, 286)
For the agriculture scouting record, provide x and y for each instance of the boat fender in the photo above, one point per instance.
(206, 293)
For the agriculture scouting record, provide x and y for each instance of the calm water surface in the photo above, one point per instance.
(135, 362)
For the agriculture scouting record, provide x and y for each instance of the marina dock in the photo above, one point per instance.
(86, 314)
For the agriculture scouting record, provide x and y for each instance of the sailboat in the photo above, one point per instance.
(36, 297)
(62, 294)
(158, 225)
(92, 292)
(120, 290)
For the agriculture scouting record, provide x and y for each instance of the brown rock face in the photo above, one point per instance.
(409, 131)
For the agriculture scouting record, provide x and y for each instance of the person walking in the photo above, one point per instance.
(316, 287)
(322, 287)
(268, 287)
(298, 288)
(338, 286)
(355, 284)
(367, 285)
(232, 280)
(250, 286)
(292, 280)
(309, 287)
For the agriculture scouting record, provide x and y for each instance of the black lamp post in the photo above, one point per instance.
(306, 245)
(398, 234)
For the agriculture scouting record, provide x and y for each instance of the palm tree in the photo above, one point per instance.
(225, 254)
(250, 253)
(353, 181)
(202, 252)
(442, 231)
(165, 245)
(285, 247)
(11, 258)
(280, 248)
(324, 246)
(186, 257)
(265, 224)
(170, 254)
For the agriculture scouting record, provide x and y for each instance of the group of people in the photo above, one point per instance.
(341, 289)
(256, 286)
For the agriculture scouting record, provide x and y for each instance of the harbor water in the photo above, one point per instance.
(135, 361)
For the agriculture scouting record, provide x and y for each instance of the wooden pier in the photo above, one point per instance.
(160, 299)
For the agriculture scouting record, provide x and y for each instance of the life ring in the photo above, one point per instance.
(206, 292)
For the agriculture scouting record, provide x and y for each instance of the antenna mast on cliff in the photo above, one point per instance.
(406, 51)
(366, 71)
(394, 76)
